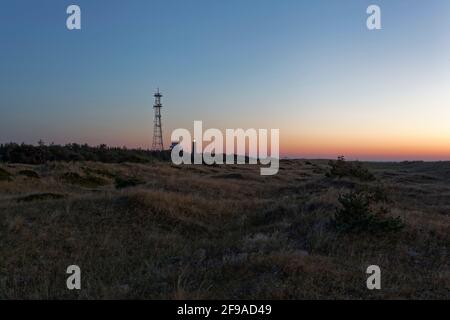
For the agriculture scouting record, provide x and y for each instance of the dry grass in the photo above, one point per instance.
(200, 232)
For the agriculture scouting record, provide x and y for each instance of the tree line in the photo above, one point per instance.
(32, 154)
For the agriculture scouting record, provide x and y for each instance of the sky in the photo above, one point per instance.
(309, 68)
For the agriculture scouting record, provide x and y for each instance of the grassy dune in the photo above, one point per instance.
(157, 231)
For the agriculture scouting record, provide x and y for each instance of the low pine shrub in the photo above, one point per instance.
(356, 216)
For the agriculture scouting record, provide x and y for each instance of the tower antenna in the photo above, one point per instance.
(157, 128)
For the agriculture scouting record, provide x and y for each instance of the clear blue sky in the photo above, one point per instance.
(310, 68)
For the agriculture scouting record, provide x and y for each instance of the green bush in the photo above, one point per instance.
(355, 215)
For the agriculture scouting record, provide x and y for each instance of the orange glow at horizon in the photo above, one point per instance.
(363, 148)
(383, 148)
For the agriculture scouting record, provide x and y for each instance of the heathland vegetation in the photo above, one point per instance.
(155, 230)
(40, 154)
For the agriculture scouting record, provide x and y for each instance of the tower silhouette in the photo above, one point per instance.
(157, 129)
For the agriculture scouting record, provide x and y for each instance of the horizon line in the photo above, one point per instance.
(282, 156)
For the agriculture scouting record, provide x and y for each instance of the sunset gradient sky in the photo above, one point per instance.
(309, 68)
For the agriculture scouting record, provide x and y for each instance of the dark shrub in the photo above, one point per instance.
(87, 181)
(41, 197)
(355, 215)
(5, 175)
(230, 176)
(122, 183)
(100, 172)
(341, 168)
(40, 154)
(379, 194)
(29, 174)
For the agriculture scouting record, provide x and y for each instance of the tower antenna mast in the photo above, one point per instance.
(157, 128)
